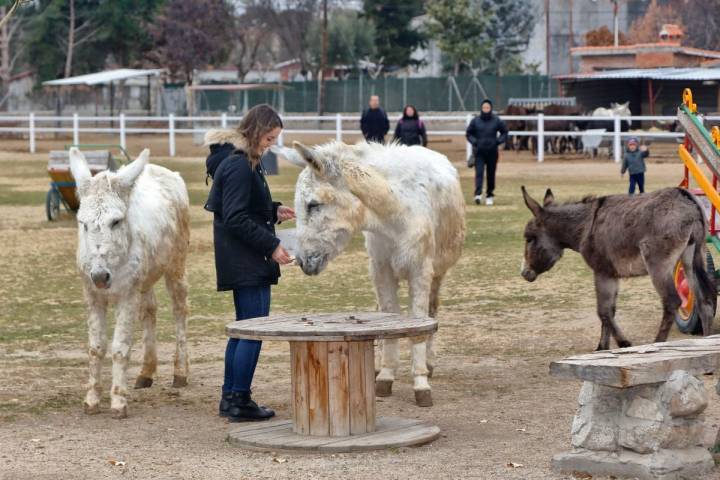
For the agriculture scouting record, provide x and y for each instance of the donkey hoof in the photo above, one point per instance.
(91, 409)
(383, 388)
(430, 370)
(423, 398)
(143, 382)
(119, 413)
(624, 344)
(179, 382)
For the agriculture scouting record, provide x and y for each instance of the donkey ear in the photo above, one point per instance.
(290, 155)
(310, 157)
(534, 206)
(127, 175)
(549, 198)
(80, 170)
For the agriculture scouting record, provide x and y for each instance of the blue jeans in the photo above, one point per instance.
(639, 179)
(241, 356)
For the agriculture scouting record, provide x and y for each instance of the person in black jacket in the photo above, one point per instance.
(247, 252)
(486, 133)
(374, 122)
(410, 130)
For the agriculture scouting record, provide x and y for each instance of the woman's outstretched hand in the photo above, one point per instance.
(281, 256)
(285, 213)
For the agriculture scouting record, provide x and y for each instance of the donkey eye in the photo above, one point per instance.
(312, 206)
(115, 223)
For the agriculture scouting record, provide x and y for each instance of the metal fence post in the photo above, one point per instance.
(338, 127)
(76, 129)
(616, 138)
(468, 146)
(541, 138)
(223, 120)
(171, 133)
(31, 132)
(122, 131)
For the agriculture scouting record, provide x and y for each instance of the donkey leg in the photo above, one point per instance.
(148, 312)
(177, 288)
(661, 275)
(128, 311)
(420, 286)
(432, 312)
(386, 287)
(702, 286)
(606, 290)
(97, 346)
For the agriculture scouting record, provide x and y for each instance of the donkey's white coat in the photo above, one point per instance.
(408, 203)
(133, 229)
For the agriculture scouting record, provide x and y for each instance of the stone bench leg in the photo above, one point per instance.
(649, 431)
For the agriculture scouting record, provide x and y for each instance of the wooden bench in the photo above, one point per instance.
(640, 410)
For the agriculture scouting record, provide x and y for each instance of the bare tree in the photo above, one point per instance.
(11, 47)
(252, 36)
(77, 34)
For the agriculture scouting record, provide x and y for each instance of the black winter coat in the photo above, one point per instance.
(483, 133)
(374, 124)
(411, 131)
(244, 220)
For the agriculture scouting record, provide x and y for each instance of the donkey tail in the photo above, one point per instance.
(705, 289)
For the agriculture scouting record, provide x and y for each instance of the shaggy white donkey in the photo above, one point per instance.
(133, 228)
(408, 203)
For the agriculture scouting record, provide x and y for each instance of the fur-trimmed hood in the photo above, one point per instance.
(222, 143)
(225, 135)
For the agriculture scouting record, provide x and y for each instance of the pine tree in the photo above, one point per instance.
(395, 37)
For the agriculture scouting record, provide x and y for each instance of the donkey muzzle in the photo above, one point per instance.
(101, 278)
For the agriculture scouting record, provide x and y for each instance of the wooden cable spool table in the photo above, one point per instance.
(333, 383)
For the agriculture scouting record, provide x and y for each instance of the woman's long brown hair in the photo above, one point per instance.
(258, 121)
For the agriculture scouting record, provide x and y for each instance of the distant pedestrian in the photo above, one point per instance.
(410, 130)
(634, 163)
(374, 122)
(486, 133)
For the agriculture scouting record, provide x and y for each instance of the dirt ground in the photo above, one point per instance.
(494, 400)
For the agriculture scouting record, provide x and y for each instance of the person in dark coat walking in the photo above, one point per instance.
(247, 252)
(486, 133)
(374, 122)
(410, 130)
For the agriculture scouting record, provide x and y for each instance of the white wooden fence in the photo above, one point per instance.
(172, 125)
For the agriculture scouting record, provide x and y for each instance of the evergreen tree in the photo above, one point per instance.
(395, 37)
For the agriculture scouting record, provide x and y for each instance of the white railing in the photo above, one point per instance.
(174, 125)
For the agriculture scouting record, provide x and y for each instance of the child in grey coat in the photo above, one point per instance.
(634, 163)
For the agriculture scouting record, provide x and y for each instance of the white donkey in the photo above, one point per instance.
(408, 203)
(133, 228)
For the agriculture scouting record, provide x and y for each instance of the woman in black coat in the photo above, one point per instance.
(247, 252)
(410, 130)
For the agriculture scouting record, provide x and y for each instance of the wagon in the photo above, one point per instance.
(699, 146)
(62, 186)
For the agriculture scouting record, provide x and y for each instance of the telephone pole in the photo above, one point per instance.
(323, 60)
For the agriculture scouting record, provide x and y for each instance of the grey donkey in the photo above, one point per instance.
(621, 236)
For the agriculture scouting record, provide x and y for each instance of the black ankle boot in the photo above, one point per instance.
(225, 404)
(244, 409)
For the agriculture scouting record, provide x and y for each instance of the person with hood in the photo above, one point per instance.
(486, 133)
(374, 122)
(410, 130)
(634, 162)
(247, 252)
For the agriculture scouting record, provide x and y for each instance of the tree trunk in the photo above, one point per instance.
(323, 61)
(71, 40)
(4, 59)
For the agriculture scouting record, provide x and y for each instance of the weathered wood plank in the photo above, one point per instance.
(339, 388)
(299, 380)
(331, 327)
(643, 364)
(358, 393)
(317, 363)
(369, 384)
